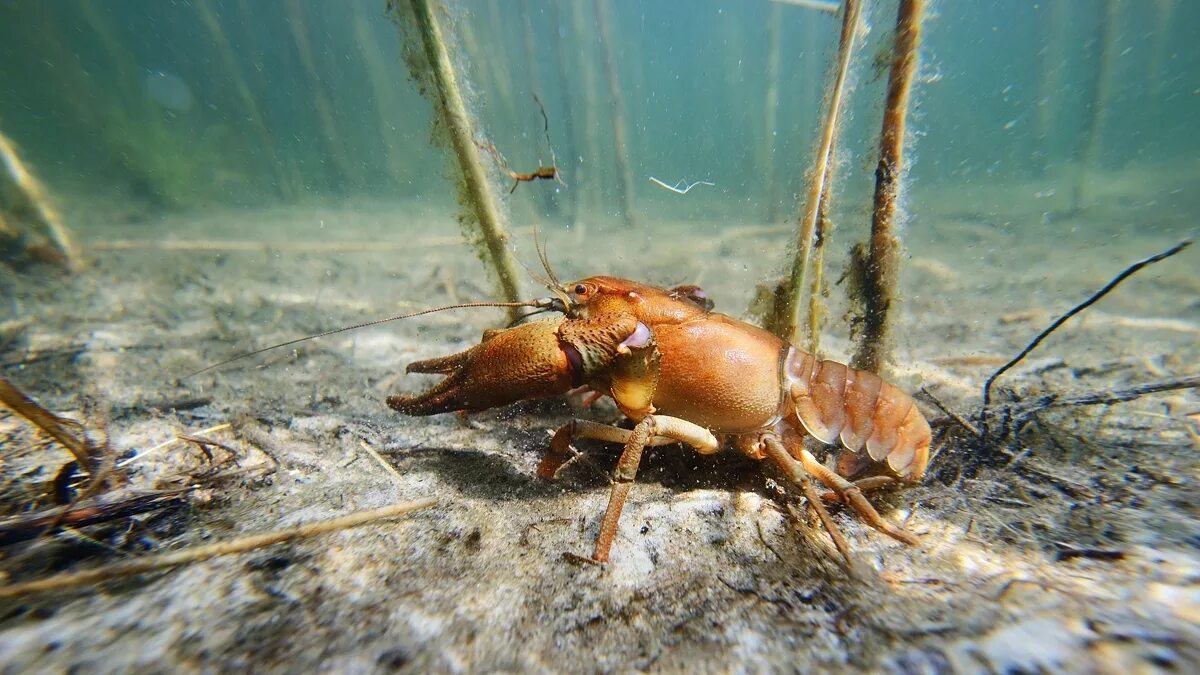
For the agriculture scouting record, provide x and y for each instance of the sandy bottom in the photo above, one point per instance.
(709, 571)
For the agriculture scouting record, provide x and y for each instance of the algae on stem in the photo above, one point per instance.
(880, 274)
(785, 316)
(431, 66)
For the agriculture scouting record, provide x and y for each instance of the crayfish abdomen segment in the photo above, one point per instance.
(835, 402)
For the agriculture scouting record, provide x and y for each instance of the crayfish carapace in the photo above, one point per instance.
(685, 374)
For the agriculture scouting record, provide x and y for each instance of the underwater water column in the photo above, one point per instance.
(387, 108)
(771, 108)
(624, 172)
(785, 316)
(439, 81)
(1164, 10)
(1051, 58)
(882, 270)
(529, 41)
(587, 181)
(1098, 110)
(285, 186)
(335, 148)
(564, 92)
(816, 286)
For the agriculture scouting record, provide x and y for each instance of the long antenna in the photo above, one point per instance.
(376, 322)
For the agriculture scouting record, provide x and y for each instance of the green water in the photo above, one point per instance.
(203, 104)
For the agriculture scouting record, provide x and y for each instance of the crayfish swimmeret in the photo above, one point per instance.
(683, 373)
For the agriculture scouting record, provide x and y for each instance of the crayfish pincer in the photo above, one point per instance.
(685, 374)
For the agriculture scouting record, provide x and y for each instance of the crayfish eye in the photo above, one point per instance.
(580, 289)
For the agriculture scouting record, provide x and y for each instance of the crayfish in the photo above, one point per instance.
(683, 373)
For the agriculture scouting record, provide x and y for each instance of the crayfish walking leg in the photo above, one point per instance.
(773, 448)
(798, 469)
(561, 452)
(652, 430)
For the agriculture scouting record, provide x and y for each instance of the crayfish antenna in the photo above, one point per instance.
(554, 285)
(540, 304)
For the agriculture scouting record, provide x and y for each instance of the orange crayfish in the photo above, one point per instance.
(685, 374)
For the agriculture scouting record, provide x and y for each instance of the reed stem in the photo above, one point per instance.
(161, 561)
(816, 291)
(25, 205)
(882, 271)
(475, 191)
(785, 316)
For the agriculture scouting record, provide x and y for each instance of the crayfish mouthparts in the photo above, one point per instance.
(550, 304)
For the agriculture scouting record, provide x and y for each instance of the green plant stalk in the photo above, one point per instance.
(785, 316)
(882, 271)
(816, 294)
(476, 190)
(27, 204)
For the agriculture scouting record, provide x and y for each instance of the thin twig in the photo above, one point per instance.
(379, 458)
(1093, 299)
(818, 5)
(239, 545)
(962, 422)
(170, 442)
(31, 525)
(676, 189)
(786, 315)
(1107, 397)
(53, 425)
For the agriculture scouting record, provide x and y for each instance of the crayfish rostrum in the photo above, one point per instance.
(685, 374)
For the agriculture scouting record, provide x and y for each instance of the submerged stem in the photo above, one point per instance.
(438, 72)
(786, 315)
(882, 270)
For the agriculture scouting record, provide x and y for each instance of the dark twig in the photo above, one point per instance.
(56, 427)
(1067, 552)
(1093, 299)
(30, 526)
(1022, 413)
(959, 419)
(1118, 395)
